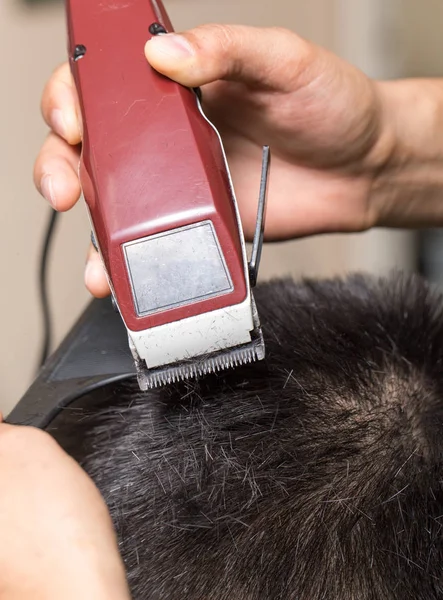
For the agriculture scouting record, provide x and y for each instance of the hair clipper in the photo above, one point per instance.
(161, 202)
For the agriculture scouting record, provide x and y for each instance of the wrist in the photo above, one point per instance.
(407, 161)
(413, 112)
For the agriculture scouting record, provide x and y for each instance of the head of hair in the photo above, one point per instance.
(316, 474)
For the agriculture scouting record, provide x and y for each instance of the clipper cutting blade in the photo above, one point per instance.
(150, 379)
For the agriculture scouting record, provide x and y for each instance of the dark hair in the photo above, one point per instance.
(313, 475)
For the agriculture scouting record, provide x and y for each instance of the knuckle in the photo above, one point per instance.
(283, 31)
(49, 99)
(216, 39)
(62, 73)
(301, 48)
(224, 35)
(304, 56)
(37, 172)
(56, 89)
(42, 157)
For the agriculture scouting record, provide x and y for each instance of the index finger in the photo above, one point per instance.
(59, 105)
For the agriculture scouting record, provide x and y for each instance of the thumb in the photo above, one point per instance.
(211, 52)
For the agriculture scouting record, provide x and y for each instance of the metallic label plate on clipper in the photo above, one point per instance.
(176, 268)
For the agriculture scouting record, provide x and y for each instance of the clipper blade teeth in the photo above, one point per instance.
(150, 379)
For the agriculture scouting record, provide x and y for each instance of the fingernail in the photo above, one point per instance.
(172, 44)
(47, 188)
(58, 122)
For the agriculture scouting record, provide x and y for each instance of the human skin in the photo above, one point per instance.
(57, 540)
(348, 152)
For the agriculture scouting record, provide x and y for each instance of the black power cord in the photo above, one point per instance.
(43, 288)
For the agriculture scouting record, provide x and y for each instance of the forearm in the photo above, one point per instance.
(408, 188)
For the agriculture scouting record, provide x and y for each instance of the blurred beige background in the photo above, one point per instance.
(385, 39)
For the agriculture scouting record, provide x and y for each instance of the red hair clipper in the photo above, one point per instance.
(161, 202)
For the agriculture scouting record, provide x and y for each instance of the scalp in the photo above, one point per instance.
(315, 474)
